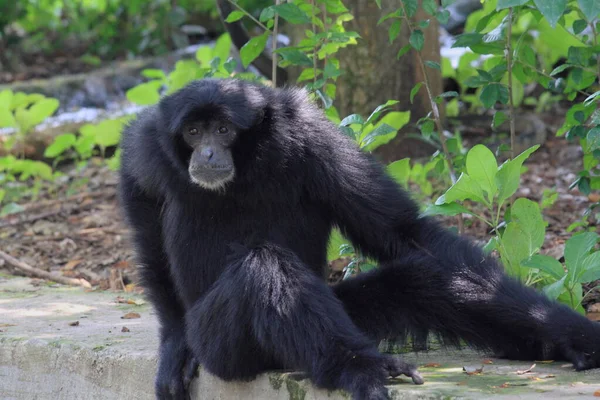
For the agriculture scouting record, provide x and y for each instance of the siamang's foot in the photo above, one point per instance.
(175, 373)
(396, 366)
(365, 376)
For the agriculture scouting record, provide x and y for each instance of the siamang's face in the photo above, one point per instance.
(211, 163)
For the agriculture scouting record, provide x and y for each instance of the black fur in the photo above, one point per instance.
(236, 275)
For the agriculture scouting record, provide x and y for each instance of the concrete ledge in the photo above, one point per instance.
(42, 356)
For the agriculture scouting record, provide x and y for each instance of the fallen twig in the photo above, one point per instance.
(39, 273)
(528, 370)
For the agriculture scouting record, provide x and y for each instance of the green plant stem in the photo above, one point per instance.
(436, 112)
(314, 31)
(581, 92)
(595, 41)
(511, 103)
(249, 15)
(274, 46)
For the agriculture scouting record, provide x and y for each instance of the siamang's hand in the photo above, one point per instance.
(578, 343)
(176, 369)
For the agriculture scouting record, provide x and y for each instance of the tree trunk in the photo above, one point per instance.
(372, 73)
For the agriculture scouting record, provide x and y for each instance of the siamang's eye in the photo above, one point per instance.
(193, 131)
(223, 129)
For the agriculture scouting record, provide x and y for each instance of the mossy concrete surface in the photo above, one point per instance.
(65, 343)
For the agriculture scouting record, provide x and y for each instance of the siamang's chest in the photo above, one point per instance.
(200, 234)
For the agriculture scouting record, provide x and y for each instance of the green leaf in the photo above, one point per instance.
(591, 268)
(593, 139)
(292, 13)
(464, 188)
(400, 171)
(414, 91)
(433, 64)
(253, 48)
(380, 130)
(41, 110)
(547, 264)
(267, 14)
(145, 93)
(492, 93)
(499, 118)
(467, 39)
(336, 240)
(589, 8)
(411, 7)
(552, 10)
(60, 144)
(394, 30)
(395, 119)
(6, 97)
(555, 289)
(448, 210)
(222, 47)
(7, 120)
(524, 234)
(577, 249)
(509, 175)
(443, 16)
(417, 39)
(403, 51)
(579, 25)
(352, 119)
(429, 6)
(380, 108)
(560, 69)
(234, 16)
(296, 57)
(482, 168)
(153, 73)
(502, 4)
(109, 132)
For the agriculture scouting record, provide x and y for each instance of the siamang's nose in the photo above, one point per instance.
(206, 154)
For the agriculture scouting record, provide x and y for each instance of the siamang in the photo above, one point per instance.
(232, 189)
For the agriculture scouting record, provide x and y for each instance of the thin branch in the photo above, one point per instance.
(511, 103)
(595, 41)
(274, 46)
(436, 113)
(39, 273)
(248, 15)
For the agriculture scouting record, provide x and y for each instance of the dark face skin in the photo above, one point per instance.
(211, 164)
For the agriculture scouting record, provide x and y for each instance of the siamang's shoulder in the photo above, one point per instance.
(143, 164)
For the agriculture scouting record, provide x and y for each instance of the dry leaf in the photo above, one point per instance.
(488, 362)
(123, 300)
(71, 265)
(6, 325)
(528, 370)
(131, 315)
(473, 370)
(597, 393)
(125, 329)
(594, 197)
(432, 365)
(76, 323)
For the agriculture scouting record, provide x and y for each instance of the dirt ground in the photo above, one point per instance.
(78, 230)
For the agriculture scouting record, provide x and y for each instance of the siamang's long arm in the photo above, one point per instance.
(143, 214)
(433, 279)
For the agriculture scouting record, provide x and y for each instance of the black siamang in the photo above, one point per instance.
(232, 188)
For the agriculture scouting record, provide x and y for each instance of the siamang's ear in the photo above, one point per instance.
(260, 116)
(173, 110)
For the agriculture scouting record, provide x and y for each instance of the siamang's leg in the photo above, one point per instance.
(465, 295)
(176, 367)
(269, 309)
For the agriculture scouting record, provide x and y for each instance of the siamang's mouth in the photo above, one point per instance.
(223, 167)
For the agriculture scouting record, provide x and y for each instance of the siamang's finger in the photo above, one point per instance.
(396, 366)
(190, 371)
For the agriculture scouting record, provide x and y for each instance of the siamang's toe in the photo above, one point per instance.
(396, 366)
(190, 370)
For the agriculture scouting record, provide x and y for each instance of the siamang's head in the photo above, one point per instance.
(204, 122)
